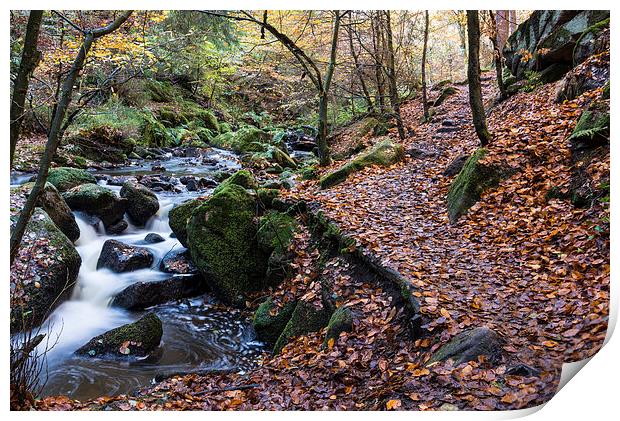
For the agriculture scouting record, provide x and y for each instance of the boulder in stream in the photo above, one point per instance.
(153, 238)
(43, 274)
(178, 217)
(141, 295)
(65, 178)
(98, 201)
(141, 202)
(178, 262)
(121, 257)
(133, 340)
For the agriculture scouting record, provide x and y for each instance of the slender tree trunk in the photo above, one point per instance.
(324, 158)
(377, 50)
(473, 77)
(394, 100)
(369, 105)
(512, 21)
(53, 138)
(30, 57)
(497, 56)
(424, 95)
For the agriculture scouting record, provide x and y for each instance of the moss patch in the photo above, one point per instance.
(179, 216)
(305, 319)
(246, 139)
(269, 323)
(65, 178)
(340, 321)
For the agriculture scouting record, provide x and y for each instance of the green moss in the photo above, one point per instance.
(160, 91)
(340, 321)
(384, 153)
(221, 237)
(65, 178)
(309, 172)
(154, 133)
(275, 231)
(593, 125)
(267, 196)
(606, 91)
(137, 339)
(445, 94)
(467, 187)
(243, 178)
(269, 327)
(246, 139)
(179, 216)
(305, 319)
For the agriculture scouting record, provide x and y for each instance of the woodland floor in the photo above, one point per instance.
(534, 270)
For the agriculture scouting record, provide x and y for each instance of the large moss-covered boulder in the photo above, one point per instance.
(130, 341)
(243, 178)
(472, 181)
(43, 274)
(246, 139)
(65, 178)
(269, 321)
(384, 153)
(56, 208)
(548, 37)
(275, 232)
(469, 345)
(306, 318)
(221, 236)
(141, 202)
(98, 201)
(179, 216)
(272, 156)
(592, 128)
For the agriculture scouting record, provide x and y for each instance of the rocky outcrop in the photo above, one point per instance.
(98, 201)
(469, 345)
(43, 276)
(141, 295)
(549, 37)
(306, 318)
(130, 341)
(384, 153)
(121, 257)
(57, 209)
(142, 203)
(275, 232)
(65, 178)
(269, 321)
(592, 128)
(475, 177)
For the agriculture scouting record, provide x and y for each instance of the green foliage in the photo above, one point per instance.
(532, 81)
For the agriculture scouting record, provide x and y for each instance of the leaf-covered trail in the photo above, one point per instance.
(535, 270)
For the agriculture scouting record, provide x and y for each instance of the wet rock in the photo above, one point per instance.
(96, 200)
(117, 181)
(142, 203)
(191, 185)
(456, 166)
(133, 340)
(65, 178)
(469, 345)
(117, 228)
(178, 262)
(121, 257)
(158, 168)
(243, 178)
(48, 288)
(207, 182)
(141, 295)
(153, 238)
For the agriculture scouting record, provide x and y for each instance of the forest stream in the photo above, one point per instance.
(198, 334)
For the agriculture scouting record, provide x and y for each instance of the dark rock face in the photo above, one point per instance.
(469, 345)
(98, 201)
(142, 295)
(548, 37)
(141, 202)
(121, 257)
(55, 283)
(153, 238)
(178, 262)
(117, 228)
(130, 341)
(455, 166)
(269, 327)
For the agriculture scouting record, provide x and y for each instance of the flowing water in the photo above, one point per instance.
(198, 334)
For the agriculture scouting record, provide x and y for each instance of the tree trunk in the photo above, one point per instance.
(473, 78)
(53, 138)
(424, 95)
(512, 21)
(497, 56)
(30, 57)
(376, 41)
(358, 70)
(394, 100)
(502, 27)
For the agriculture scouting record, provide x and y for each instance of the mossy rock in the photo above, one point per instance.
(267, 196)
(275, 231)
(269, 326)
(246, 139)
(98, 201)
(60, 263)
(306, 318)
(340, 321)
(243, 178)
(472, 181)
(142, 203)
(221, 236)
(179, 216)
(309, 172)
(272, 155)
(469, 345)
(592, 129)
(445, 94)
(65, 178)
(130, 341)
(384, 153)
(160, 91)
(154, 133)
(51, 201)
